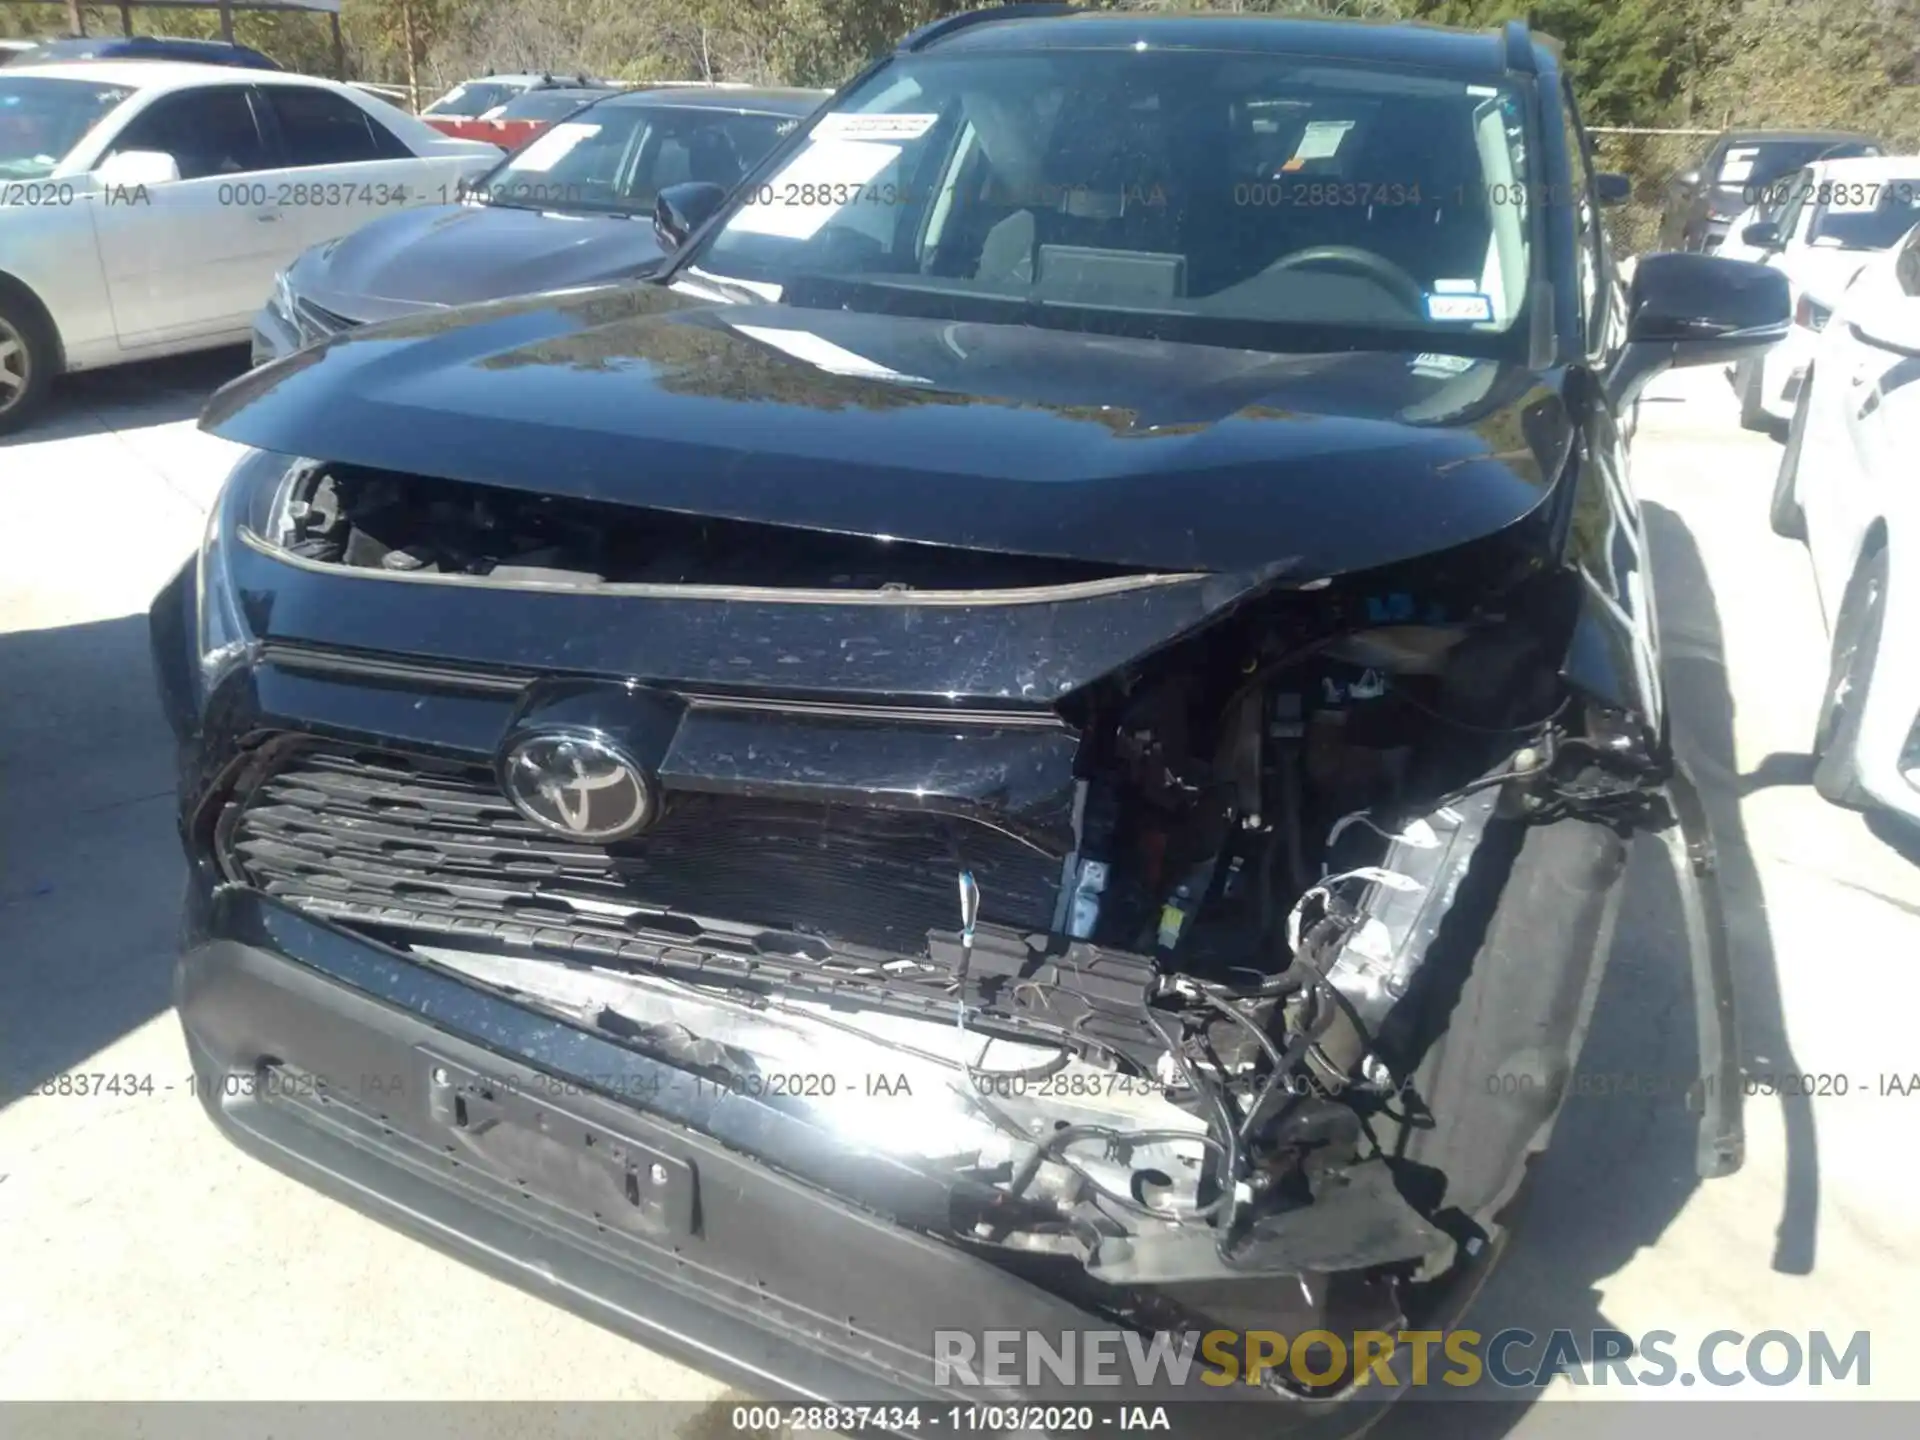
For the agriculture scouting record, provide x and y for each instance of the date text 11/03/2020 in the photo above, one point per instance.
(1583, 1084)
(965, 1418)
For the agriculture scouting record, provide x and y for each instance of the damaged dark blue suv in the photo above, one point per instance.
(1040, 731)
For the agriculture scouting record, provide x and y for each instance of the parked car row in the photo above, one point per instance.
(1704, 199)
(1839, 219)
(1846, 487)
(152, 208)
(132, 47)
(572, 208)
(146, 206)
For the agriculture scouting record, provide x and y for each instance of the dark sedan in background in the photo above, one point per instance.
(573, 207)
(1704, 200)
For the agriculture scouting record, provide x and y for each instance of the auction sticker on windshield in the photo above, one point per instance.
(1321, 139)
(840, 126)
(1738, 165)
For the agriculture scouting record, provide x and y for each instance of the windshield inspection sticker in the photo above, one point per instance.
(550, 148)
(1459, 307)
(873, 127)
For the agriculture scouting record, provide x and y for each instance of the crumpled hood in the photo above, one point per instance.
(458, 254)
(1008, 438)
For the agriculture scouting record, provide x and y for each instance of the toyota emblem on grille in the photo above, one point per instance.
(579, 786)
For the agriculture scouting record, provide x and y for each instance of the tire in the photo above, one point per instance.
(28, 358)
(1856, 644)
(1510, 1002)
(1749, 376)
(1789, 521)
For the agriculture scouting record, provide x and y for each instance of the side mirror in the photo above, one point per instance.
(1686, 309)
(679, 210)
(1688, 180)
(137, 167)
(1761, 235)
(1613, 188)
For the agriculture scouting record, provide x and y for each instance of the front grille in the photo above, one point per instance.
(431, 845)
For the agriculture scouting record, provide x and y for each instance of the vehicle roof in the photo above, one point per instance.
(1763, 137)
(166, 74)
(563, 92)
(552, 79)
(1870, 167)
(770, 100)
(143, 42)
(1434, 47)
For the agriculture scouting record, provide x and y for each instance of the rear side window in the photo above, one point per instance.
(319, 127)
(207, 132)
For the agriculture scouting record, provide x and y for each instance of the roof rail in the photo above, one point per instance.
(940, 29)
(1519, 48)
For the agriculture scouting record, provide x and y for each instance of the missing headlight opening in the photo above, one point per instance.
(1168, 1030)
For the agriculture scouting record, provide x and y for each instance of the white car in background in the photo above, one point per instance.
(1847, 487)
(145, 206)
(1819, 225)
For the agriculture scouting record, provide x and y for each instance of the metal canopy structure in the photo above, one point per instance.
(77, 19)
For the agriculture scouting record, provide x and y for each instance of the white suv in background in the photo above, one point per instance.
(1817, 226)
(145, 206)
(1846, 487)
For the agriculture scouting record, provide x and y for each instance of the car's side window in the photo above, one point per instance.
(207, 132)
(1586, 220)
(1799, 187)
(318, 127)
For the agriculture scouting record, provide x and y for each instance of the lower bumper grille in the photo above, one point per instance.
(432, 845)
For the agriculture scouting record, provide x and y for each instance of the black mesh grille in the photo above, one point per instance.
(434, 845)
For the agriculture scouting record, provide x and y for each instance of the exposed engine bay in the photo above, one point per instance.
(1185, 1073)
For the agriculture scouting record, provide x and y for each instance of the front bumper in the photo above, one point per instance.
(546, 1156)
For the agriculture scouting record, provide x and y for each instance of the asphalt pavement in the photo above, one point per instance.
(145, 1258)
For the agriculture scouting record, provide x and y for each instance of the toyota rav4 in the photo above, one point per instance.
(1039, 731)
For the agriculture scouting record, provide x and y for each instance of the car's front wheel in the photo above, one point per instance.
(26, 359)
(1789, 521)
(1856, 644)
